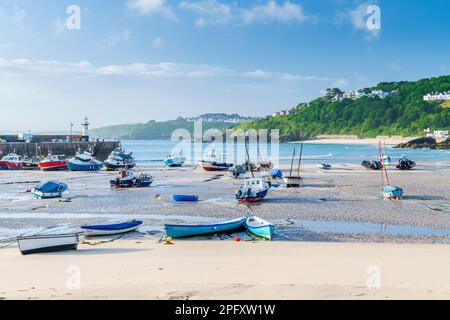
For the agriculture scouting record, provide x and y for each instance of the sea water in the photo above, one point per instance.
(152, 153)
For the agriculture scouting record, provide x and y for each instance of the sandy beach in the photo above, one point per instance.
(230, 270)
(328, 234)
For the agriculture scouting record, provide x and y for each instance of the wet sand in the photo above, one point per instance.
(346, 194)
(229, 270)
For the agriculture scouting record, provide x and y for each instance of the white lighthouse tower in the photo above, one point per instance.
(85, 129)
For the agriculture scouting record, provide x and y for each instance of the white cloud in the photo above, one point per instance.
(214, 12)
(158, 70)
(116, 39)
(272, 11)
(150, 7)
(157, 42)
(211, 12)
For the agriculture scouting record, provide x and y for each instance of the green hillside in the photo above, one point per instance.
(152, 130)
(404, 113)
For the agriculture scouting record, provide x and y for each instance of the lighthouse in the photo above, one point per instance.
(85, 129)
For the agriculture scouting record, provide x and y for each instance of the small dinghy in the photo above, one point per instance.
(130, 179)
(392, 193)
(49, 190)
(260, 227)
(49, 243)
(111, 229)
(185, 198)
(405, 164)
(324, 166)
(174, 160)
(183, 231)
(372, 164)
(238, 170)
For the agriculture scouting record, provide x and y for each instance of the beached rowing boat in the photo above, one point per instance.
(182, 231)
(185, 198)
(260, 227)
(111, 229)
(49, 243)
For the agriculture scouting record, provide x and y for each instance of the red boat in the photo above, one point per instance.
(53, 163)
(12, 161)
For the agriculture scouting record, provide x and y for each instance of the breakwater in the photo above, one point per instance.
(101, 149)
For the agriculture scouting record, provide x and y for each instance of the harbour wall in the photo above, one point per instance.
(101, 149)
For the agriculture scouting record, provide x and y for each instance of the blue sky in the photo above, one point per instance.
(140, 60)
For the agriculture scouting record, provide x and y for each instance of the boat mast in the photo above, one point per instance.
(292, 162)
(300, 157)
(248, 159)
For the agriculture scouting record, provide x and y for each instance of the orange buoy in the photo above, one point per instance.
(237, 239)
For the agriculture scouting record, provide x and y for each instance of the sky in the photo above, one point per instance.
(131, 61)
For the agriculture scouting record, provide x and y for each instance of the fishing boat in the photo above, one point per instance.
(49, 243)
(405, 164)
(389, 191)
(184, 198)
(130, 179)
(30, 164)
(253, 190)
(53, 163)
(49, 190)
(120, 159)
(213, 163)
(262, 163)
(12, 161)
(174, 160)
(183, 230)
(111, 229)
(372, 164)
(84, 162)
(260, 227)
(291, 180)
(324, 166)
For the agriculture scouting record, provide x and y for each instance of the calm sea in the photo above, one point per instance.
(150, 152)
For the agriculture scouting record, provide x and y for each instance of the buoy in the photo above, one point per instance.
(169, 239)
(237, 239)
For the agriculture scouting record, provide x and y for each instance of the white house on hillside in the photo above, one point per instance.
(437, 96)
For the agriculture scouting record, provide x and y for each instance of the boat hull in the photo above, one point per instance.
(173, 163)
(183, 231)
(215, 166)
(106, 230)
(49, 243)
(185, 198)
(85, 167)
(261, 229)
(53, 166)
(258, 197)
(293, 182)
(45, 195)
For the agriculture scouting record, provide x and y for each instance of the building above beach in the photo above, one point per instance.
(437, 96)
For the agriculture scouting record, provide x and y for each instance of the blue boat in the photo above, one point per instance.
(84, 162)
(260, 227)
(49, 190)
(185, 198)
(392, 192)
(111, 229)
(183, 231)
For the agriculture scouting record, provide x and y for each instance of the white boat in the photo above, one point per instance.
(174, 160)
(293, 182)
(111, 229)
(49, 243)
(324, 166)
(214, 163)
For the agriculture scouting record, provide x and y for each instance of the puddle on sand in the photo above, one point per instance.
(300, 226)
